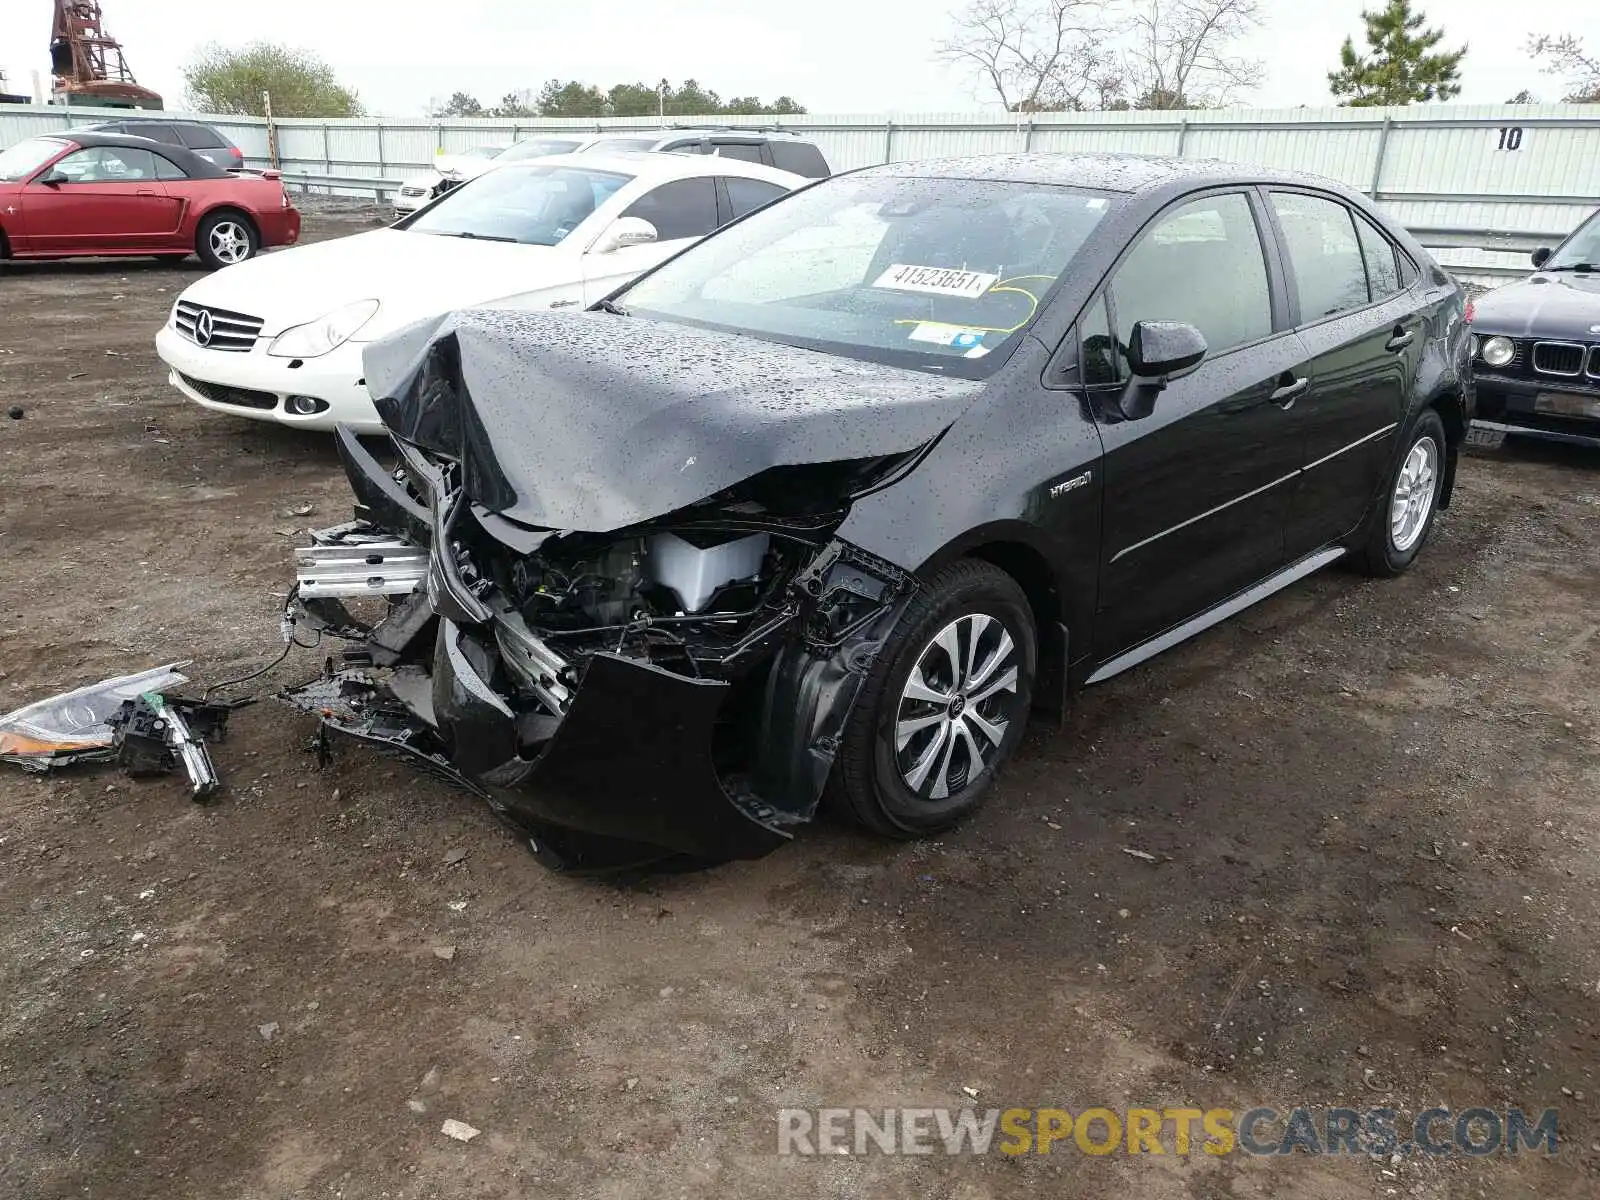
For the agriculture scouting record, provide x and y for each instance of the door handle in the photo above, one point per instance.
(1286, 395)
(1400, 340)
(145, 192)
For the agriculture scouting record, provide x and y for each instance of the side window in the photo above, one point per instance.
(200, 137)
(747, 195)
(1201, 263)
(166, 169)
(691, 146)
(800, 157)
(1321, 239)
(108, 164)
(740, 150)
(1099, 350)
(160, 132)
(1383, 274)
(684, 208)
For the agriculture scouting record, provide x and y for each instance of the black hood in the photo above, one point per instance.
(1563, 305)
(594, 422)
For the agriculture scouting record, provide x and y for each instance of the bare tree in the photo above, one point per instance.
(1563, 55)
(1033, 55)
(1183, 53)
(1039, 55)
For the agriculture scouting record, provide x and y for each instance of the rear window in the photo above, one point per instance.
(743, 151)
(167, 169)
(201, 137)
(800, 157)
(156, 131)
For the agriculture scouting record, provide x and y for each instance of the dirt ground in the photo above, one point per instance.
(1372, 808)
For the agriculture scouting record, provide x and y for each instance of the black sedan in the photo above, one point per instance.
(1536, 348)
(824, 506)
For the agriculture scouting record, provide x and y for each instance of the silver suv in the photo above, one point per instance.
(773, 147)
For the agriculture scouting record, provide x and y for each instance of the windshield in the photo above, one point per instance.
(538, 206)
(481, 152)
(538, 148)
(23, 159)
(930, 273)
(1580, 249)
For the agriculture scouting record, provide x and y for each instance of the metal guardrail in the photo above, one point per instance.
(1502, 241)
(306, 181)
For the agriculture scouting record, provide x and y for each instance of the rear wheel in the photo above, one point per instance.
(943, 706)
(226, 238)
(1404, 519)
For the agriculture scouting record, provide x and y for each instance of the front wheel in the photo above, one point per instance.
(942, 708)
(1404, 519)
(226, 238)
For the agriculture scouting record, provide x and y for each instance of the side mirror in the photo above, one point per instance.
(52, 178)
(1542, 256)
(1158, 351)
(623, 232)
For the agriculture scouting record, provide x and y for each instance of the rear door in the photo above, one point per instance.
(1362, 338)
(682, 211)
(107, 199)
(1195, 493)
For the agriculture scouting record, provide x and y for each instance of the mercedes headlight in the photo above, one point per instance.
(327, 332)
(1498, 351)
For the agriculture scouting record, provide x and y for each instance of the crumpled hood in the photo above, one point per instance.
(594, 422)
(1560, 304)
(411, 275)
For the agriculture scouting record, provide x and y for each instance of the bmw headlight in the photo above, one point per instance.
(327, 332)
(1498, 351)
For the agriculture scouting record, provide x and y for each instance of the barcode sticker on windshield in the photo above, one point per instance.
(939, 281)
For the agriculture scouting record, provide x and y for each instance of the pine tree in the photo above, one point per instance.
(1400, 66)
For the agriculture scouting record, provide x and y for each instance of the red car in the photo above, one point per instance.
(68, 195)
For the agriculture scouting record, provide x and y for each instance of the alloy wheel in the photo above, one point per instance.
(230, 242)
(956, 706)
(1412, 502)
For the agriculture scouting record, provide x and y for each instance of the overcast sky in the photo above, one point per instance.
(839, 56)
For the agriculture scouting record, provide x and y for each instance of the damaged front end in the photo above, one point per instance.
(673, 689)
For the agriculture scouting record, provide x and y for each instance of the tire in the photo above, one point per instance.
(896, 791)
(1392, 543)
(225, 238)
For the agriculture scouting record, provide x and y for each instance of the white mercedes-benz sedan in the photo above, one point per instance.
(280, 338)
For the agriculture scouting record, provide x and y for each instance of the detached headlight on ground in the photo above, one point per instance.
(328, 332)
(1498, 351)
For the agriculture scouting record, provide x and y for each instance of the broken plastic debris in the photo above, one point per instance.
(72, 727)
(460, 1130)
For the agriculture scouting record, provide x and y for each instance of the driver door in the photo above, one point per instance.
(681, 212)
(107, 199)
(1197, 492)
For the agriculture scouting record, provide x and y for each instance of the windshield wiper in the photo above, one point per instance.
(481, 237)
(612, 307)
(1583, 267)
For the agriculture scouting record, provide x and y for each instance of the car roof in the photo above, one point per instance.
(193, 165)
(653, 164)
(1128, 173)
(146, 121)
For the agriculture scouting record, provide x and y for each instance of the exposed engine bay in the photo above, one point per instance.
(762, 611)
